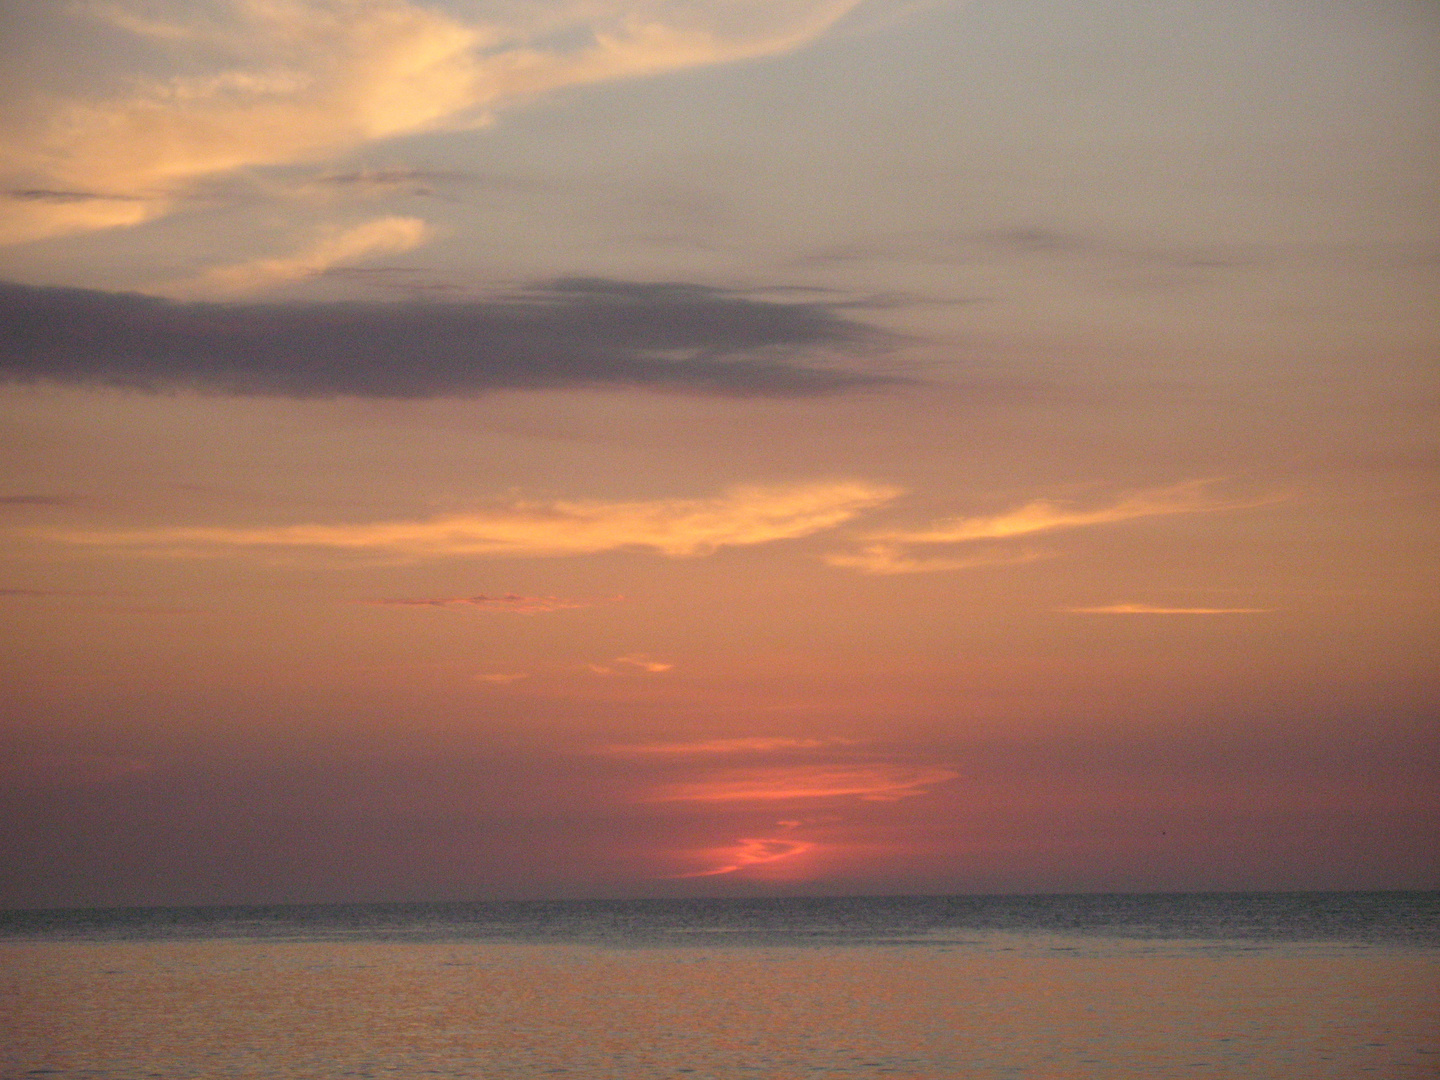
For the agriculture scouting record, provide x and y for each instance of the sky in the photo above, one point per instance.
(478, 449)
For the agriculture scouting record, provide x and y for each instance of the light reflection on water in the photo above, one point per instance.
(981, 1003)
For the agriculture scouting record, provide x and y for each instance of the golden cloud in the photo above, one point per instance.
(675, 527)
(890, 552)
(311, 79)
(1191, 497)
(381, 236)
(894, 559)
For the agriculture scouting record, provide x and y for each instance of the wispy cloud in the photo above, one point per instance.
(746, 853)
(1043, 515)
(872, 783)
(1148, 609)
(713, 747)
(894, 559)
(338, 248)
(311, 79)
(632, 664)
(891, 552)
(524, 605)
(674, 527)
(568, 333)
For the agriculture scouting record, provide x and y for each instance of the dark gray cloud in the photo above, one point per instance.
(577, 332)
(62, 196)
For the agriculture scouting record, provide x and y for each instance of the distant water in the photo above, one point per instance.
(1376, 918)
(1304, 986)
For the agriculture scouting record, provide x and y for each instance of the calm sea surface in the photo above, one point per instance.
(1284, 986)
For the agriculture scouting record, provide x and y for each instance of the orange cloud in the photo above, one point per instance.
(893, 559)
(756, 745)
(634, 663)
(675, 527)
(748, 852)
(1043, 515)
(889, 552)
(382, 236)
(874, 783)
(312, 79)
(1147, 609)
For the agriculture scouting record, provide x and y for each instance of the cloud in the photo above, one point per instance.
(525, 605)
(568, 333)
(311, 79)
(889, 552)
(872, 783)
(675, 527)
(1190, 497)
(893, 559)
(1147, 609)
(748, 852)
(381, 236)
(634, 663)
(709, 747)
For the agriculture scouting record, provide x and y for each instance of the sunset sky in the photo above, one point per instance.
(458, 449)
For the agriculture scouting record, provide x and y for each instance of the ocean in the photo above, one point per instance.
(1302, 986)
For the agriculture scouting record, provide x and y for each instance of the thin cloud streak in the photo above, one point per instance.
(523, 605)
(747, 852)
(1190, 497)
(711, 747)
(893, 559)
(891, 552)
(632, 664)
(387, 235)
(673, 527)
(1147, 609)
(570, 333)
(870, 783)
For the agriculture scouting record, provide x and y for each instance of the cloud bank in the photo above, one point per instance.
(581, 332)
(266, 83)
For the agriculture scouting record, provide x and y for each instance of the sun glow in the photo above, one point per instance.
(748, 853)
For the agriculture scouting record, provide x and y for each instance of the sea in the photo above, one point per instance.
(1242, 986)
